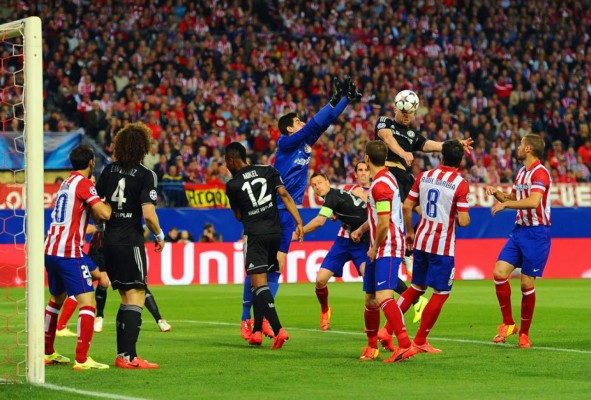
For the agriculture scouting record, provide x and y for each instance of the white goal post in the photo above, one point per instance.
(30, 30)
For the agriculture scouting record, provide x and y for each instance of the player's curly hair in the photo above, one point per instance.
(132, 143)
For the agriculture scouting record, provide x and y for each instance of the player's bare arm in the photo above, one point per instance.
(431, 145)
(153, 224)
(388, 137)
(293, 210)
(381, 233)
(499, 195)
(463, 218)
(530, 202)
(357, 233)
(311, 226)
(407, 208)
(101, 211)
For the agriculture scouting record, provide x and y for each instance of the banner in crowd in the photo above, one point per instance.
(206, 196)
(56, 146)
(223, 263)
(12, 196)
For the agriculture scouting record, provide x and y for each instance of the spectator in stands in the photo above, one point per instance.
(209, 234)
(179, 74)
(152, 158)
(185, 237)
(173, 189)
(173, 235)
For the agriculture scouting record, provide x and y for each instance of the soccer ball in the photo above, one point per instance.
(407, 101)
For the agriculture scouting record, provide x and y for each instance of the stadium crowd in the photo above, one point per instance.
(201, 74)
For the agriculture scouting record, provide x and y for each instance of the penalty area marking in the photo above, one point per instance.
(556, 349)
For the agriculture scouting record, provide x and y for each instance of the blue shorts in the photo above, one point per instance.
(528, 248)
(433, 270)
(344, 250)
(382, 274)
(70, 275)
(288, 227)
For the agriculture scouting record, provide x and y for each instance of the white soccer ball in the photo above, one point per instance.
(407, 101)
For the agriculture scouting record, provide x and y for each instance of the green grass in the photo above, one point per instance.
(204, 356)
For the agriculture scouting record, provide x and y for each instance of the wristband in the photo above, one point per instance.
(160, 236)
(100, 228)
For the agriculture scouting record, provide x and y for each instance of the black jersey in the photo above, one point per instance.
(407, 138)
(253, 192)
(350, 209)
(126, 190)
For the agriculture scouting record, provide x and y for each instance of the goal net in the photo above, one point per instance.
(21, 203)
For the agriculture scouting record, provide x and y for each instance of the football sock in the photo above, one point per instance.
(69, 307)
(503, 289)
(101, 299)
(258, 314)
(265, 302)
(322, 295)
(246, 299)
(396, 321)
(400, 286)
(85, 331)
(151, 305)
(430, 315)
(51, 312)
(409, 297)
(129, 322)
(528, 304)
(273, 282)
(372, 325)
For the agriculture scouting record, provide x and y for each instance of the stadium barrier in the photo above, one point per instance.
(223, 263)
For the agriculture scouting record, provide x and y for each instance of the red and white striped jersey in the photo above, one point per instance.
(536, 179)
(441, 192)
(345, 230)
(70, 215)
(384, 197)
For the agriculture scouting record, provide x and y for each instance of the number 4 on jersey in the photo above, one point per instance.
(119, 194)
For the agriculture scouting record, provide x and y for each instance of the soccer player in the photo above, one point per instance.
(351, 211)
(101, 299)
(442, 194)
(252, 193)
(294, 149)
(385, 255)
(69, 270)
(402, 140)
(528, 245)
(130, 188)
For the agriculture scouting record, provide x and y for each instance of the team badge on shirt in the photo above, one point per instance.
(307, 149)
(410, 133)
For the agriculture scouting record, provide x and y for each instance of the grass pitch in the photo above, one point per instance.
(204, 356)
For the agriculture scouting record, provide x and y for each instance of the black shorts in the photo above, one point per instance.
(98, 256)
(126, 266)
(260, 253)
(404, 180)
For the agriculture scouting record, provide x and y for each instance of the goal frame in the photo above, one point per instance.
(30, 30)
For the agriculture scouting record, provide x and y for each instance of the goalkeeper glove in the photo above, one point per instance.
(337, 92)
(351, 87)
